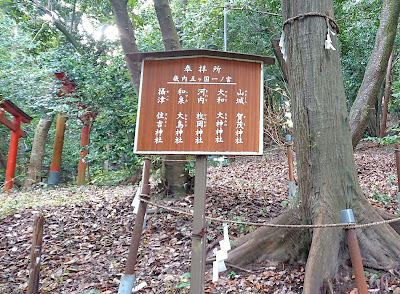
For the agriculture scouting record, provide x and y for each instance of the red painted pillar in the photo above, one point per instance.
(12, 154)
(84, 142)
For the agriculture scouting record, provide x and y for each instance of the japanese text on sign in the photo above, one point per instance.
(200, 105)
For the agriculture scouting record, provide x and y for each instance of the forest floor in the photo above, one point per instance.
(87, 231)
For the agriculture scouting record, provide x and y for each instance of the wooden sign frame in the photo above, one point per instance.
(200, 102)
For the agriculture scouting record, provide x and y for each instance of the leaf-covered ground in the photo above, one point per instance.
(87, 231)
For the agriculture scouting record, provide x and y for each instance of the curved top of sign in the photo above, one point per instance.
(139, 56)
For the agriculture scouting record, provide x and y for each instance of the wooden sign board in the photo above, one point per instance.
(200, 105)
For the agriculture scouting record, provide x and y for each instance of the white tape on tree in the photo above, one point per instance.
(328, 41)
(282, 45)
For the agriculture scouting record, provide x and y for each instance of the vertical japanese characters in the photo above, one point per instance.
(202, 81)
(201, 104)
(161, 124)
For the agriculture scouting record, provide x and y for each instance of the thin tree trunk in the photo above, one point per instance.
(38, 150)
(375, 71)
(386, 100)
(128, 39)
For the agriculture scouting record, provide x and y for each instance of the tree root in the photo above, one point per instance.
(272, 244)
(329, 287)
(323, 258)
(324, 248)
(387, 216)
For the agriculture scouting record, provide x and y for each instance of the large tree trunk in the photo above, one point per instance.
(327, 175)
(38, 150)
(175, 174)
(375, 71)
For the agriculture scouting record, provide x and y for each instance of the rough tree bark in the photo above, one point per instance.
(327, 175)
(386, 100)
(38, 149)
(375, 71)
(167, 26)
(175, 175)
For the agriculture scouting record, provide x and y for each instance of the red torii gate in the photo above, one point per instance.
(15, 126)
(69, 89)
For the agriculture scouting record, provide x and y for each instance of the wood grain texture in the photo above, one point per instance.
(245, 77)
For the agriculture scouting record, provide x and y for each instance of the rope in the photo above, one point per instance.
(332, 22)
(190, 160)
(169, 160)
(344, 225)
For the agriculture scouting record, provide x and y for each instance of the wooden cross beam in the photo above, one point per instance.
(9, 124)
(15, 126)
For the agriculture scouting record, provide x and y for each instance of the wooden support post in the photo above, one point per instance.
(199, 228)
(84, 142)
(57, 150)
(127, 281)
(12, 154)
(36, 250)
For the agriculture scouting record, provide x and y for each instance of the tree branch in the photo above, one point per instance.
(375, 71)
(61, 27)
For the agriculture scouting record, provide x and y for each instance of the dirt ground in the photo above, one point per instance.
(87, 231)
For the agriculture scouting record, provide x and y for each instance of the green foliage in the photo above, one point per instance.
(27, 66)
(102, 177)
(391, 139)
(24, 76)
(189, 167)
(382, 198)
(184, 283)
(232, 275)
(243, 228)
(358, 21)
